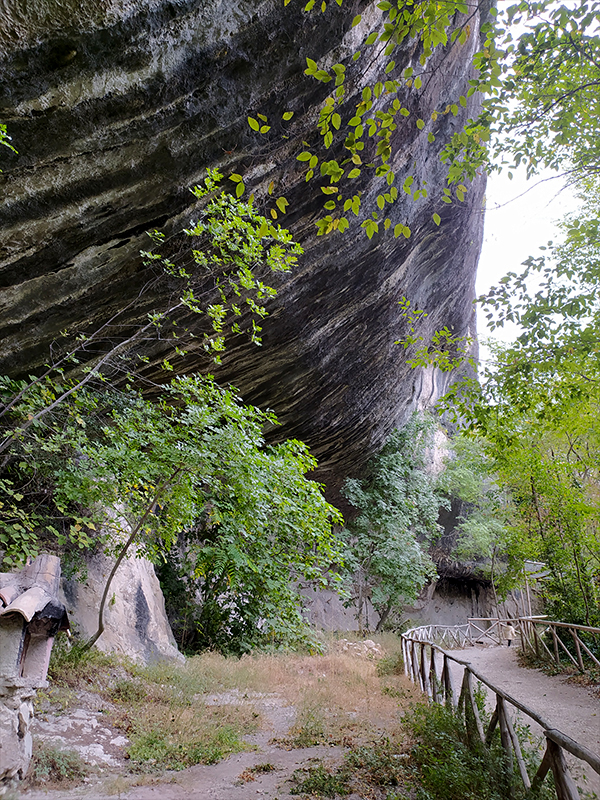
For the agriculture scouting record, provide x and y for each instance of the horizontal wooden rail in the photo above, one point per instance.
(422, 669)
(533, 641)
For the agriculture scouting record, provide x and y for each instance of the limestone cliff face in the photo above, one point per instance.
(118, 106)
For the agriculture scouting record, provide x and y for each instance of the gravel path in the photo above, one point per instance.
(571, 708)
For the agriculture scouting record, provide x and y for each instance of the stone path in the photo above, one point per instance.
(570, 707)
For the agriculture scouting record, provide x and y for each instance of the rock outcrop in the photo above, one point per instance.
(135, 620)
(117, 108)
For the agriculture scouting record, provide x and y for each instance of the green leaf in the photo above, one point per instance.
(253, 123)
(356, 20)
(288, 115)
(282, 204)
(437, 219)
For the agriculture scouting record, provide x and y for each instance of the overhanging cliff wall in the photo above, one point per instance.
(118, 107)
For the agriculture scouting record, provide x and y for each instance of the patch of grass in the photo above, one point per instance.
(174, 736)
(127, 691)
(71, 667)
(375, 770)
(309, 729)
(379, 763)
(250, 774)
(591, 677)
(392, 664)
(340, 699)
(51, 765)
(317, 781)
(168, 749)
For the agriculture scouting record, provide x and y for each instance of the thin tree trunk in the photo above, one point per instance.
(150, 508)
(385, 614)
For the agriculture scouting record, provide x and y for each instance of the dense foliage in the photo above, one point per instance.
(397, 508)
(451, 765)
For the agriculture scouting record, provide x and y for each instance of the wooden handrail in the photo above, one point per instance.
(571, 625)
(440, 690)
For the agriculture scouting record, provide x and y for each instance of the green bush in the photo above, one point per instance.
(449, 769)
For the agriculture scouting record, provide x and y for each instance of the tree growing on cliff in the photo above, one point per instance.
(76, 444)
(191, 467)
(397, 507)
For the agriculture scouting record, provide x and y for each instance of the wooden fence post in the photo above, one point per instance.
(518, 754)
(433, 677)
(504, 734)
(563, 782)
(542, 769)
(577, 649)
(473, 704)
(447, 683)
(424, 670)
(492, 725)
(536, 640)
(415, 666)
(555, 643)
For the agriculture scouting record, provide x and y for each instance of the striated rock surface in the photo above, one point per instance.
(117, 107)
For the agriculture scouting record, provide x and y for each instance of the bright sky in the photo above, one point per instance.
(515, 228)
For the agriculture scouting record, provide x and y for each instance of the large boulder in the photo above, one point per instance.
(117, 108)
(135, 621)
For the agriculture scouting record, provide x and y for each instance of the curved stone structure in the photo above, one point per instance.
(117, 107)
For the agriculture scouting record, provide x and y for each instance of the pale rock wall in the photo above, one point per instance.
(135, 620)
(16, 713)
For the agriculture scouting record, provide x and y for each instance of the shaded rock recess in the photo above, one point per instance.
(118, 107)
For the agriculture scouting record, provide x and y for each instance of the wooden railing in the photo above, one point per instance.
(421, 666)
(532, 640)
(490, 630)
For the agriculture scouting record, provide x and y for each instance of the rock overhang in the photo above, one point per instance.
(119, 112)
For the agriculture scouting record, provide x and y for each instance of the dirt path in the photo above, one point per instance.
(571, 708)
(234, 778)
